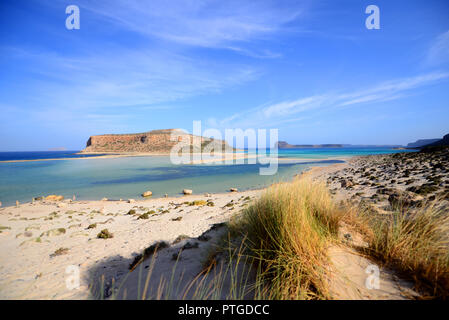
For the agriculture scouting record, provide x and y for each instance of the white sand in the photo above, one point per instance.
(28, 272)
(104, 155)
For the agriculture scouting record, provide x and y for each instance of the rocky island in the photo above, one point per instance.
(155, 141)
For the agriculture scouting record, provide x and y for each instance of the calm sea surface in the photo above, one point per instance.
(115, 178)
(33, 155)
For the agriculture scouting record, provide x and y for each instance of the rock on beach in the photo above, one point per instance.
(54, 197)
(187, 191)
(147, 194)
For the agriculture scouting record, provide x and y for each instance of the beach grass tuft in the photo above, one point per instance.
(416, 244)
(288, 230)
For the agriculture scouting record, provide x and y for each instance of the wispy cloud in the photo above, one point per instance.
(390, 90)
(126, 78)
(286, 108)
(439, 51)
(117, 76)
(230, 24)
(284, 112)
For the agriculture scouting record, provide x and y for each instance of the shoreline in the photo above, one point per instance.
(315, 169)
(104, 155)
(239, 154)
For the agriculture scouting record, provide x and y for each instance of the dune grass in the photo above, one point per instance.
(291, 226)
(288, 231)
(416, 244)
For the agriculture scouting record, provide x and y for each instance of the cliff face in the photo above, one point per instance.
(156, 141)
(421, 142)
(440, 143)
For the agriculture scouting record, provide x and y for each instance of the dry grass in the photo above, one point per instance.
(290, 226)
(416, 244)
(288, 231)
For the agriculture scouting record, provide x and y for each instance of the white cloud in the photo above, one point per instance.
(290, 107)
(439, 51)
(126, 78)
(283, 112)
(390, 90)
(209, 23)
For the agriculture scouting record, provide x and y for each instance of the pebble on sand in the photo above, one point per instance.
(187, 191)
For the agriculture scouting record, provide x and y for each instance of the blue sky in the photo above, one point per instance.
(309, 68)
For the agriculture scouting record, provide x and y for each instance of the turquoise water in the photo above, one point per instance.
(115, 178)
(326, 153)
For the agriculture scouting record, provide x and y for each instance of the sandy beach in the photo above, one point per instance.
(102, 155)
(32, 232)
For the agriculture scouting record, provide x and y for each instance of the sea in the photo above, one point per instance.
(93, 178)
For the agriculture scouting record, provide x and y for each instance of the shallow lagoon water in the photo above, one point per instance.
(128, 177)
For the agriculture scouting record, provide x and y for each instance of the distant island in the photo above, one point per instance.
(155, 141)
(440, 143)
(429, 144)
(285, 145)
(421, 143)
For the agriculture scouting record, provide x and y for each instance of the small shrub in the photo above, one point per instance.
(105, 234)
(143, 216)
(59, 252)
(198, 203)
(53, 232)
(229, 204)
